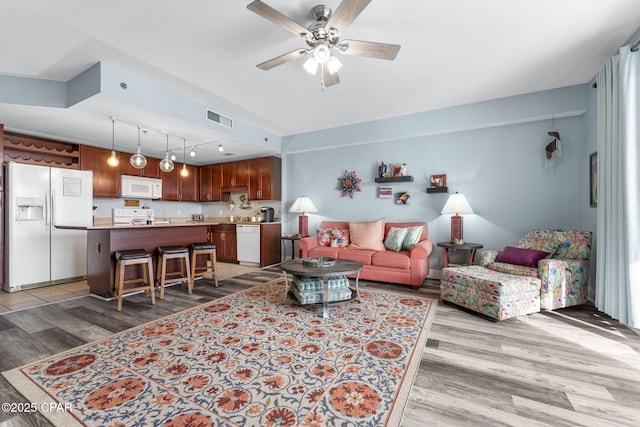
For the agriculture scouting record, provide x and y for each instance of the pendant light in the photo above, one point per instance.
(166, 165)
(137, 160)
(220, 147)
(113, 159)
(184, 172)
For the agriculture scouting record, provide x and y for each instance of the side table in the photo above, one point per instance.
(469, 247)
(294, 238)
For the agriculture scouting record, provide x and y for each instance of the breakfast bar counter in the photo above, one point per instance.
(103, 241)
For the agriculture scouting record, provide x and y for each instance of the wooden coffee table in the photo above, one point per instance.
(342, 267)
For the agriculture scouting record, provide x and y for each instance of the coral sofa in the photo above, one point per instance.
(548, 269)
(396, 265)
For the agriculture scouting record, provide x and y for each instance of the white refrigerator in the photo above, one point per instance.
(39, 198)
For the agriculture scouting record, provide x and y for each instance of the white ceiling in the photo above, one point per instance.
(453, 52)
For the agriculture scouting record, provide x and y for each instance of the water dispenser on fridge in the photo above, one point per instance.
(30, 208)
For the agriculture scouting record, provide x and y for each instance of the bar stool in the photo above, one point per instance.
(138, 257)
(166, 253)
(206, 249)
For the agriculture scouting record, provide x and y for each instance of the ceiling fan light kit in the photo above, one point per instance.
(322, 36)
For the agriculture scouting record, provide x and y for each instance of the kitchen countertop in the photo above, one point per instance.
(107, 224)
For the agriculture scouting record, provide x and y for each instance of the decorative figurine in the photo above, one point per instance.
(403, 170)
(382, 169)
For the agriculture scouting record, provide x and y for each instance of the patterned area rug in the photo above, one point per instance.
(247, 359)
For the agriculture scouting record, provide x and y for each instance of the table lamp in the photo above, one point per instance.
(457, 204)
(302, 205)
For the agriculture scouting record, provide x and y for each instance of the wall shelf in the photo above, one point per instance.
(437, 190)
(387, 179)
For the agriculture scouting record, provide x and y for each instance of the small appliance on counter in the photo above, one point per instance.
(268, 214)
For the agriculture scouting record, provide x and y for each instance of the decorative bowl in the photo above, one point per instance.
(319, 262)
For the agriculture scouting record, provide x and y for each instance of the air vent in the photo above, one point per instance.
(229, 154)
(219, 119)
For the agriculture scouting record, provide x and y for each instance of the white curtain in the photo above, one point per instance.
(618, 257)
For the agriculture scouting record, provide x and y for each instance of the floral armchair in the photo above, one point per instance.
(560, 258)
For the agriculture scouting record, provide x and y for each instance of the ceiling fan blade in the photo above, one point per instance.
(346, 12)
(279, 60)
(278, 18)
(369, 49)
(328, 78)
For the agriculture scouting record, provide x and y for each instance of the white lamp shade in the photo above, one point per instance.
(303, 204)
(457, 204)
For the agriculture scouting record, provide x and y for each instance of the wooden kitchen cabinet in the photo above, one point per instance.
(265, 178)
(270, 247)
(106, 179)
(235, 176)
(151, 170)
(211, 183)
(178, 188)
(224, 237)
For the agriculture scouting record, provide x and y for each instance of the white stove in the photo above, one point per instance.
(132, 216)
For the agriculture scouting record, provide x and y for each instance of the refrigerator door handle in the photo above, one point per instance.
(53, 207)
(47, 210)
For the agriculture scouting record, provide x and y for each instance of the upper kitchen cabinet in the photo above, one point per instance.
(106, 179)
(234, 176)
(151, 170)
(178, 188)
(265, 176)
(210, 183)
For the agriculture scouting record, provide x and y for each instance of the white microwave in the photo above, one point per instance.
(140, 187)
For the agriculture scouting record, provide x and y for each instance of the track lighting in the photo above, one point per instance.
(166, 165)
(220, 147)
(113, 159)
(184, 172)
(138, 161)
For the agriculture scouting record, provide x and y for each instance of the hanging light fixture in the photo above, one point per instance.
(173, 156)
(113, 159)
(220, 147)
(192, 153)
(166, 165)
(137, 160)
(184, 172)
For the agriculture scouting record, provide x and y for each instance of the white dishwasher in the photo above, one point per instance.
(248, 240)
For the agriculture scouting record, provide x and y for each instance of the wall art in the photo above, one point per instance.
(403, 198)
(348, 184)
(385, 192)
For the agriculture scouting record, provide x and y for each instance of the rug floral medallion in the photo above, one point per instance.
(248, 359)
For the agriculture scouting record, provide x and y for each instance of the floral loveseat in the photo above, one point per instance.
(394, 252)
(548, 269)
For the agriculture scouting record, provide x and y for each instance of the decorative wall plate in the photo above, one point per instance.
(348, 184)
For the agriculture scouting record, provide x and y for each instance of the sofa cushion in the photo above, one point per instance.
(339, 238)
(518, 270)
(324, 236)
(522, 256)
(367, 235)
(324, 251)
(412, 238)
(573, 244)
(548, 244)
(394, 239)
(391, 259)
(360, 255)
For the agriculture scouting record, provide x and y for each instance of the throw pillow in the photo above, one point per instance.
(521, 256)
(339, 238)
(324, 236)
(413, 237)
(542, 244)
(394, 239)
(367, 235)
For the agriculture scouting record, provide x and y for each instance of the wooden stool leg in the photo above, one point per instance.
(188, 275)
(151, 283)
(120, 290)
(194, 258)
(163, 275)
(213, 266)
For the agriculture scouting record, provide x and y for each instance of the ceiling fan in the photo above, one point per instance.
(322, 36)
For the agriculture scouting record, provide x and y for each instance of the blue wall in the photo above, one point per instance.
(493, 152)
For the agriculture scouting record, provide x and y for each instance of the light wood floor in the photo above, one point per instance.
(571, 367)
